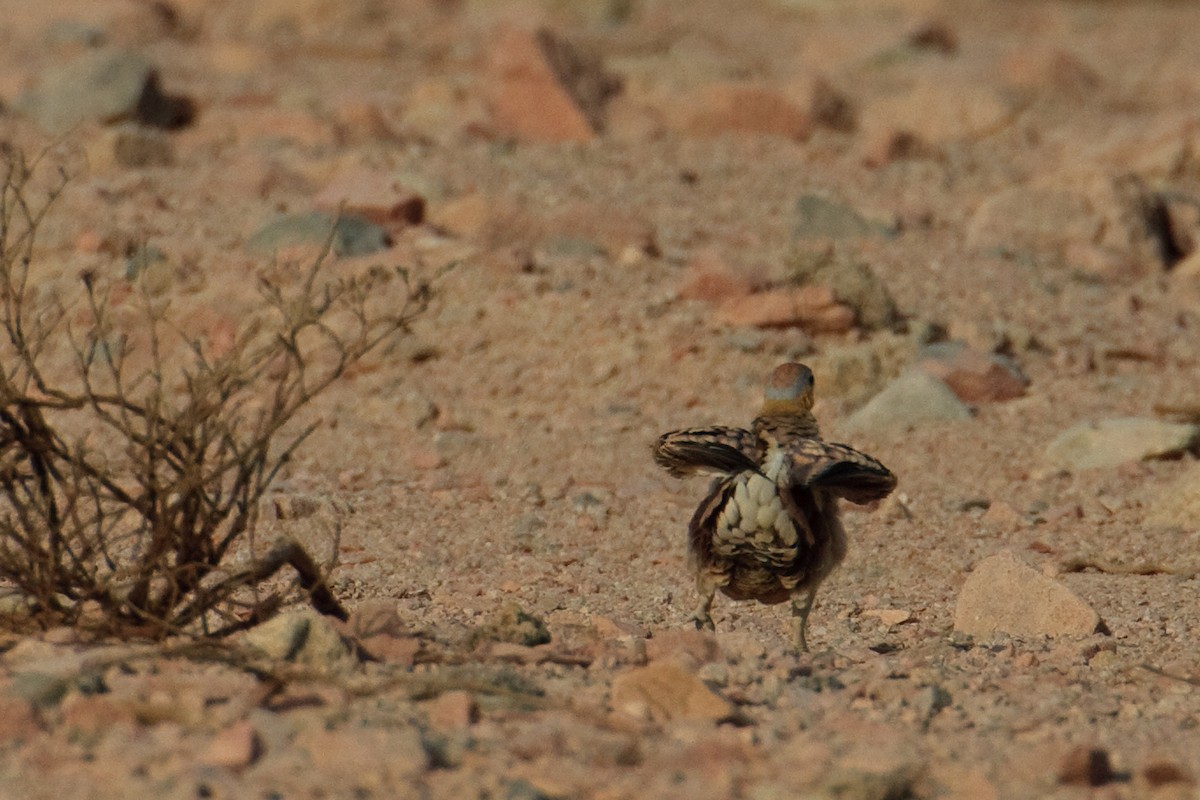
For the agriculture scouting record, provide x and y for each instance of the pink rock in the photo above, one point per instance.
(666, 691)
(402, 650)
(1005, 595)
(974, 376)
(1003, 517)
(710, 278)
(539, 88)
(745, 108)
(813, 308)
(375, 195)
(890, 616)
(235, 747)
(689, 648)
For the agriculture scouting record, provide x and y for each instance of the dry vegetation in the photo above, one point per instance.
(133, 458)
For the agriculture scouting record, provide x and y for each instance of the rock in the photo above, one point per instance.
(1109, 442)
(373, 195)
(711, 278)
(911, 400)
(452, 710)
(1085, 766)
(353, 235)
(1001, 516)
(1005, 595)
(813, 308)
(541, 88)
(1160, 771)
(831, 108)
(666, 691)
(853, 282)
(1178, 505)
(1034, 219)
(513, 625)
(302, 637)
(939, 112)
(107, 86)
(889, 616)
(39, 689)
(744, 108)
(236, 747)
(818, 217)
(974, 376)
(688, 648)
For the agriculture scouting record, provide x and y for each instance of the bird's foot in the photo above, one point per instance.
(703, 621)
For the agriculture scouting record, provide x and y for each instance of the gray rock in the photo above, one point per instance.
(41, 689)
(910, 400)
(352, 235)
(1109, 442)
(818, 217)
(853, 282)
(107, 86)
(303, 637)
(1005, 595)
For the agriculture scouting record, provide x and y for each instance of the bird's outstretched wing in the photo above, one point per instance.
(706, 451)
(840, 470)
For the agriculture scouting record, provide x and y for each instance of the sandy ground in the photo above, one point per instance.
(499, 457)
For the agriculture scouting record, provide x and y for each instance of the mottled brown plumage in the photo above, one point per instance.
(768, 530)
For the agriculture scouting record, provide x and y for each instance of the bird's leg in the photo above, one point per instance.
(801, 605)
(707, 587)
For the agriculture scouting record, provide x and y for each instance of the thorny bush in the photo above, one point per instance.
(132, 464)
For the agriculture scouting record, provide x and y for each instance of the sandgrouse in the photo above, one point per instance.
(768, 530)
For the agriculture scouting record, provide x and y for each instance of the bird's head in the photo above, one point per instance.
(789, 390)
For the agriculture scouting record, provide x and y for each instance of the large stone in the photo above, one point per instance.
(541, 88)
(939, 112)
(745, 108)
(303, 637)
(818, 217)
(853, 282)
(1005, 595)
(352, 235)
(1034, 218)
(974, 376)
(813, 308)
(911, 400)
(106, 86)
(665, 691)
(1109, 442)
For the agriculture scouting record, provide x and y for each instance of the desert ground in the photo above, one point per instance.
(977, 222)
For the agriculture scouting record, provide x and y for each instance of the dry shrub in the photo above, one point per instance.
(132, 464)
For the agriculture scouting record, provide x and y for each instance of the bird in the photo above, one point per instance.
(769, 529)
